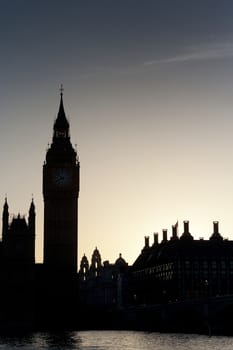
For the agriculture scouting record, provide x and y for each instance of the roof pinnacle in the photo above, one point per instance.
(61, 90)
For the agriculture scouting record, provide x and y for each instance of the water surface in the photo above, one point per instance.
(115, 340)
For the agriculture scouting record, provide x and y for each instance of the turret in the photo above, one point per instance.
(84, 268)
(31, 218)
(5, 220)
(96, 260)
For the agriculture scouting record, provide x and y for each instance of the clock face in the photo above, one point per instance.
(62, 177)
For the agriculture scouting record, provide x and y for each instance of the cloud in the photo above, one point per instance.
(205, 52)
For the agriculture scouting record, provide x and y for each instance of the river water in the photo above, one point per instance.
(115, 340)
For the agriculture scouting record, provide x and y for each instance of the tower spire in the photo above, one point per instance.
(61, 90)
(61, 125)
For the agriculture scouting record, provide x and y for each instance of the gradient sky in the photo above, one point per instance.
(148, 89)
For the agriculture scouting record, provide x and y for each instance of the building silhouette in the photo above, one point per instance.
(170, 283)
(17, 257)
(183, 268)
(44, 295)
(103, 285)
(60, 191)
(56, 279)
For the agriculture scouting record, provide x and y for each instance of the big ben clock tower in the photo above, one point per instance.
(60, 191)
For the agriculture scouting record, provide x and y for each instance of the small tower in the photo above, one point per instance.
(84, 268)
(31, 218)
(32, 229)
(95, 263)
(5, 220)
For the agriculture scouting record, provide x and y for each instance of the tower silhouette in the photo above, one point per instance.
(60, 191)
(18, 237)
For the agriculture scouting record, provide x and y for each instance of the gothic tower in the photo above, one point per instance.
(18, 237)
(60, 191)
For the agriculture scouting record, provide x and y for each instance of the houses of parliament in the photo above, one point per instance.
(177, 283)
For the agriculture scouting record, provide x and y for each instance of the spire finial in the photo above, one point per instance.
(61, 90)
(32, 205)
(5, 203)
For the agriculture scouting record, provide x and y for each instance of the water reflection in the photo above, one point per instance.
(114, 340)
(41, 340)
(62, 340)
(13, 341)
(123, 340)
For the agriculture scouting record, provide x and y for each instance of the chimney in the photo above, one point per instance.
(156, 238)
(216, 235)
(174, 232)
(186, 234)
(186, 227)
(146, 241)
(164, 235)
(216, 230)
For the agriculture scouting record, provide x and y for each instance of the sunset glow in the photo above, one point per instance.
(148, 89)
